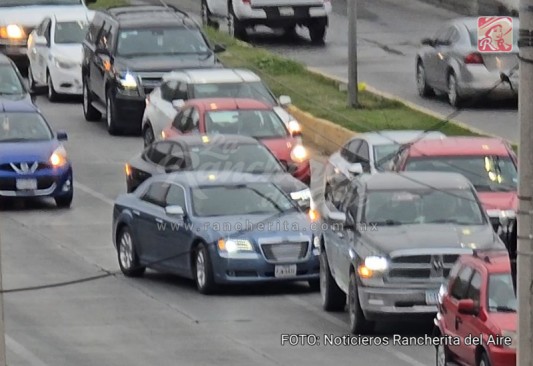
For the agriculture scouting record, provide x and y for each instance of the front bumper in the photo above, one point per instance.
(279, 16)
(253, 268)
(400, 303)
(129, 110)
(50, 183)
(67, 81)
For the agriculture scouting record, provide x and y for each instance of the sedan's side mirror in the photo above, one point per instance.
(467, 306)
(178, 103)
(174, 210)
(336, 217)
(356, 168)
(427, 42)
(40, 41)
(219, 48)
(62, 136)
(285, 100)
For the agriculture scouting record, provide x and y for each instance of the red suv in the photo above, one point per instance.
(246, 117)
(478, 312)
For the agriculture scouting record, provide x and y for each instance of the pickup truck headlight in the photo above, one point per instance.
(372, 265)
(235, 245)
(12, 31)
(128, 81)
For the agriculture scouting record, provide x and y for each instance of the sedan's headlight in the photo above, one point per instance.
(59, 157)
(235, 245)
(64, 64)
(372, 265)
(303, 195)
(12, 31)
(299, 154)
(128, 81)
(511, 339)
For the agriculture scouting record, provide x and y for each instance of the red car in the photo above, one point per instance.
(478, 313)
(489, 163)
(247, 117)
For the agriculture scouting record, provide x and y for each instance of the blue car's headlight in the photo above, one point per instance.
(235, 245)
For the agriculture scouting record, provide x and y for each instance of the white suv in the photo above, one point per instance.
(286, 14)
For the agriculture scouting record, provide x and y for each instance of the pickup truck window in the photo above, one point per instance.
(460, 286)
(395, 207)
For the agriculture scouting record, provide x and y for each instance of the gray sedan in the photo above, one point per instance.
(450, 63)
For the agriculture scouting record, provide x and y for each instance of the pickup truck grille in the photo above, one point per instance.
(285, 252)
(420, 268)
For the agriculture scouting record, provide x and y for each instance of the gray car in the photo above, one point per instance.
(450, 63)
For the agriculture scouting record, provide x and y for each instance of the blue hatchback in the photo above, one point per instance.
(33, 162)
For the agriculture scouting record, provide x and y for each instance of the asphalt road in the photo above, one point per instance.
(156, 320)
(389, 32)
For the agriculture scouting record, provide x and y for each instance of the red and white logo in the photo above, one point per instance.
(495, 34)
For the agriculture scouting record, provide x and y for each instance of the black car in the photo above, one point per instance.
(12, 84)
(240, 154)
(126, 53)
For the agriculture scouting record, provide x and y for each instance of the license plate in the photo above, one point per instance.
(26, 184)
(432, 297)
(286, 11)
(285, 271)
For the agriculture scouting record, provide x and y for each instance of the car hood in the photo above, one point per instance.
(504, 321)
(27, 151)
(499, 200)
(280, 147)
(287, 182)
(164, 64)
(70, 52)
(388, 239)
(31, 16)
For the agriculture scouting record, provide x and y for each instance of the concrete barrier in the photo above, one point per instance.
(478, 7)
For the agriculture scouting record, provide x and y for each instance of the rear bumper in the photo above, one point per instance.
(279, 16)
(476, 80)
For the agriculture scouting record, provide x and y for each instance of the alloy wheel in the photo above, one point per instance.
(452, 90)
(126, 251)
(200, 268)
(441, 355)
(85, 99)
(421, 79)
(108, 116)
(148, 136)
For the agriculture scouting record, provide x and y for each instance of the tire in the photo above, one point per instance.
(90, 113)
(484, 359)
(203, 271)
(424, 90)
(53, 96)
(64, 201)
(358, 323)
(333, 298)
(317, 32)
(442, 355)
(206, 16)
(148, 135)
(314, 285)
(127, 256)
(454, 98)
(235, 27)
(31, 80)
(290, 31)
(110, 115)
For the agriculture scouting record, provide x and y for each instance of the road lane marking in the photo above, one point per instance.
(93, 193)
(23, 352)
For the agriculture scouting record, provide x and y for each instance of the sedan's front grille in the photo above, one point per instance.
(9, 168)
(285, 252)
(420, 268)
(10, 184)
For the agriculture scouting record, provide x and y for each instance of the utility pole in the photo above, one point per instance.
(525, 188)
(2, 324)
(353, 100)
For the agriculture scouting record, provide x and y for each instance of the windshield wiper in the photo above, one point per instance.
(387, 223)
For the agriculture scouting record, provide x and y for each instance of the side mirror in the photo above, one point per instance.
(467, 306)
(62, 136)
(174, 210)
(40, 41)
(218, 48)
(356, 169)
(178, 103)
(427, 42)
(285, 100)
(336, 216)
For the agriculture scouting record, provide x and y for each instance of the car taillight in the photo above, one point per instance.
(473, 58)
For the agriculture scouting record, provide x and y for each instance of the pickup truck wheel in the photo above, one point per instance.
(442, 357)
(333, 298)
(235, 27)
(110, 115)
(317, 31)
(90, 113)
(358, 323)
(207, 15)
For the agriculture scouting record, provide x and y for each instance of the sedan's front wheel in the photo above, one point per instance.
(203, 270)
(424, 90)
(127, 256)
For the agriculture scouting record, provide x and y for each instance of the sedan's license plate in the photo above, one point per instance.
(286, 11)
(432, 297)
(26, 184)
(288, 270)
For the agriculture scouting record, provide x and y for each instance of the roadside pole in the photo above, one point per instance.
(353, 100)
(525, 187)
(2, 324)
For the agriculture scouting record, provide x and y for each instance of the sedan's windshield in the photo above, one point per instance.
(38, 2)
(160, 42)
(253, 90)
(238, 158)
(21, 127)
(9, 81)
(501, 293)
(487, 173)
(70, 32)
(400, 207)
(253, 198)
(255, 123)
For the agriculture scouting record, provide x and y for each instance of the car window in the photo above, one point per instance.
(460, 286)
(384, 154)
(474, 287)
(159, 151)
(176, 158)
(161, 41)
(443, 34)
(168, 89)
(252, 90)
(42, 27)
(23, 127)
(363, 156)
(501, 294)
(191, 122)
(350, 151)
(70, 32)
(156, 194)
(256, 123)
(175, 196)
(180, 121)
(47, 31)
(10, 82)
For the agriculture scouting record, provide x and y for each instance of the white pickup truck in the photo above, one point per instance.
(284, 14)
(18, 18)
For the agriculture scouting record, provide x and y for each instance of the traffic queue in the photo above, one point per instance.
(408, 223)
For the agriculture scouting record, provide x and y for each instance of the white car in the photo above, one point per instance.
(164, 102)
(55, 53)
(285, 14)
(18, 18)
